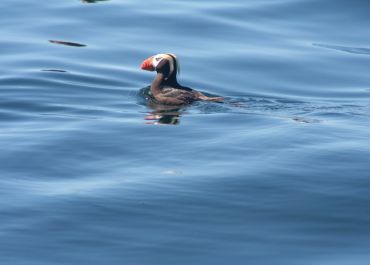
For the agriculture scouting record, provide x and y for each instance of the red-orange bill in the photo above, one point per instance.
(147, 65)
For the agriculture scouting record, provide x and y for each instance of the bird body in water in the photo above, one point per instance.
(165, 88)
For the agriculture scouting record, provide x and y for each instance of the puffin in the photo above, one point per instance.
(165, 88)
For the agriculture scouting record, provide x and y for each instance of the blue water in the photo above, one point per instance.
(91, 173)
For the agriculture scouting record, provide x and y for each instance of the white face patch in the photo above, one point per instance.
(159, 57)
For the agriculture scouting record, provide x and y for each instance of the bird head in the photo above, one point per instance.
(151, 63)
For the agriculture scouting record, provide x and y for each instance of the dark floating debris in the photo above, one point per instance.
(54, 70)
(355, 50)
(92, 1)
(67, 43)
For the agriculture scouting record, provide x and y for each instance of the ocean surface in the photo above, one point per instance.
(92, 173)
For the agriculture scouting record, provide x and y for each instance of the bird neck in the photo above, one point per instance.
(171, 81)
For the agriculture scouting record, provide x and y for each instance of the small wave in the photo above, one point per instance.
(355, 50)
(294, 110)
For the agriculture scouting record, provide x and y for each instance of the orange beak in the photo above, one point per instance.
(147, 64)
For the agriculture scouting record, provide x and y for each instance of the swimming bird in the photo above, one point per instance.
(165, 88)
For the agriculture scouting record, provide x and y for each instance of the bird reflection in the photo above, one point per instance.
(162, 114)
